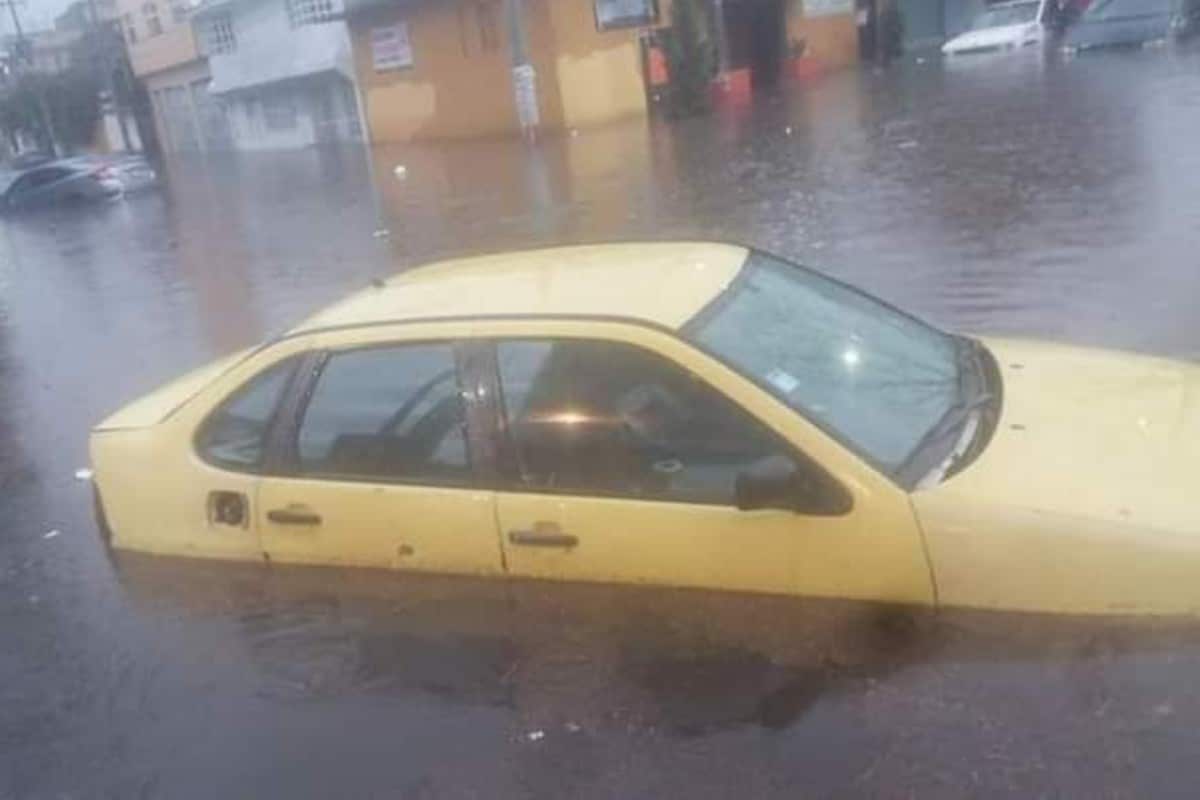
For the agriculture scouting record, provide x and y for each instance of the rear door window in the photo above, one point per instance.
(390, 413)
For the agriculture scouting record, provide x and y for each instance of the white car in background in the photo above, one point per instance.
(1004, 26)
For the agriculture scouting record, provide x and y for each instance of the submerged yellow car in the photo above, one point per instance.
(683, 414)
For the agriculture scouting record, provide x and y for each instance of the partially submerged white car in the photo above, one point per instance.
(1004, 26)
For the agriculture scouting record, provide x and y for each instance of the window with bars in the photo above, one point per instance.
(218, 35)
(279, 112)
(153, 21)
(309, 12)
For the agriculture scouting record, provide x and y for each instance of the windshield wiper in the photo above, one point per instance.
(973, 395)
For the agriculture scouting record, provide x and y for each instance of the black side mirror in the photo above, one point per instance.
(778, 483)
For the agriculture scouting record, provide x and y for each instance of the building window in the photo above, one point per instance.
(130, 28)
(391, 47)
(153, 22)
(309, 12)
(612, 14)
(217, 35)
(180, 9)
(279, 112)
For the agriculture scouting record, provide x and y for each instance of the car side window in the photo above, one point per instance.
(235, 435)
(388, 413)
(605, 418)
(43, 177)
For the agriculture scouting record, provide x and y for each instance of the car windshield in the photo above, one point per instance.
(1006, 15)
(875, 378)
(1120, 9)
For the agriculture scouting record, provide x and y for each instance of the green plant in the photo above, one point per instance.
(69, 101)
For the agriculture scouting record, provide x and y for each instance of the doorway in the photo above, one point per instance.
(754, 34)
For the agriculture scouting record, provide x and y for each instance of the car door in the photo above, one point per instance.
(621, 463)
(37, 187)
(377, 469)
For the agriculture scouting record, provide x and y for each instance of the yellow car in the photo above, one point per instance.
(681, 414)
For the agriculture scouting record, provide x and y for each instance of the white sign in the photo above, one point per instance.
(827, 8)
(624, 13)
(525, 94)
(390, 47)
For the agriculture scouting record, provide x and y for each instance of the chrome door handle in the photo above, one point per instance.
(293, 516)
(543, 534)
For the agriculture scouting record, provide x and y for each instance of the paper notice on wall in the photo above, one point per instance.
(391, 48)
(827, 8)
(525, 95)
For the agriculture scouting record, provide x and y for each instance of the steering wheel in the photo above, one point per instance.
(397, 419)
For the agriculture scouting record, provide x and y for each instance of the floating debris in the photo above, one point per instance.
(50, 534)
(83, 474)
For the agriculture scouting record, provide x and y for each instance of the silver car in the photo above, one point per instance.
(58, 183)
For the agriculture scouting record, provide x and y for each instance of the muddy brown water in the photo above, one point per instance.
(1013, 197)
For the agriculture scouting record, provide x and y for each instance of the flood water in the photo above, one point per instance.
(1019, 197)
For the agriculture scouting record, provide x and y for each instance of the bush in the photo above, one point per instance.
(71, 100)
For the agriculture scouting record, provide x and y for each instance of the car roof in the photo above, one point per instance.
(69, 164)
(661, 283)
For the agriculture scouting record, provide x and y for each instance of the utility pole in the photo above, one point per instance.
(26, 56)
(98, 44)
(524, 78)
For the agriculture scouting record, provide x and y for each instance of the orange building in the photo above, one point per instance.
(453, 69)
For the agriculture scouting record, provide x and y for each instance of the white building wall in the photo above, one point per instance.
(283, 87)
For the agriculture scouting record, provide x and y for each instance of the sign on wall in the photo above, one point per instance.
(624, 13)
(525, 95)
(390, 47)
(828, 8)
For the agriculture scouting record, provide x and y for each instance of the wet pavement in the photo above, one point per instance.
(1022, 197)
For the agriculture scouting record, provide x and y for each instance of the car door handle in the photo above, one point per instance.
(543, 534)
(293, 516)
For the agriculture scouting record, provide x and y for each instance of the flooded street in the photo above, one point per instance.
(1021, 198)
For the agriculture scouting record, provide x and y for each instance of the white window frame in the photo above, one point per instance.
(279, 111)
(218, 35)
(152, 18)
(310, 12)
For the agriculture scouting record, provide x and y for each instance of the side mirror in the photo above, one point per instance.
(778, 483)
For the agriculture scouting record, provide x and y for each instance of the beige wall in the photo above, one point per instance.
(174, 46)
(457, 88)
(599, 73)
(454, 89)
(833, 40)
(183, 76)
